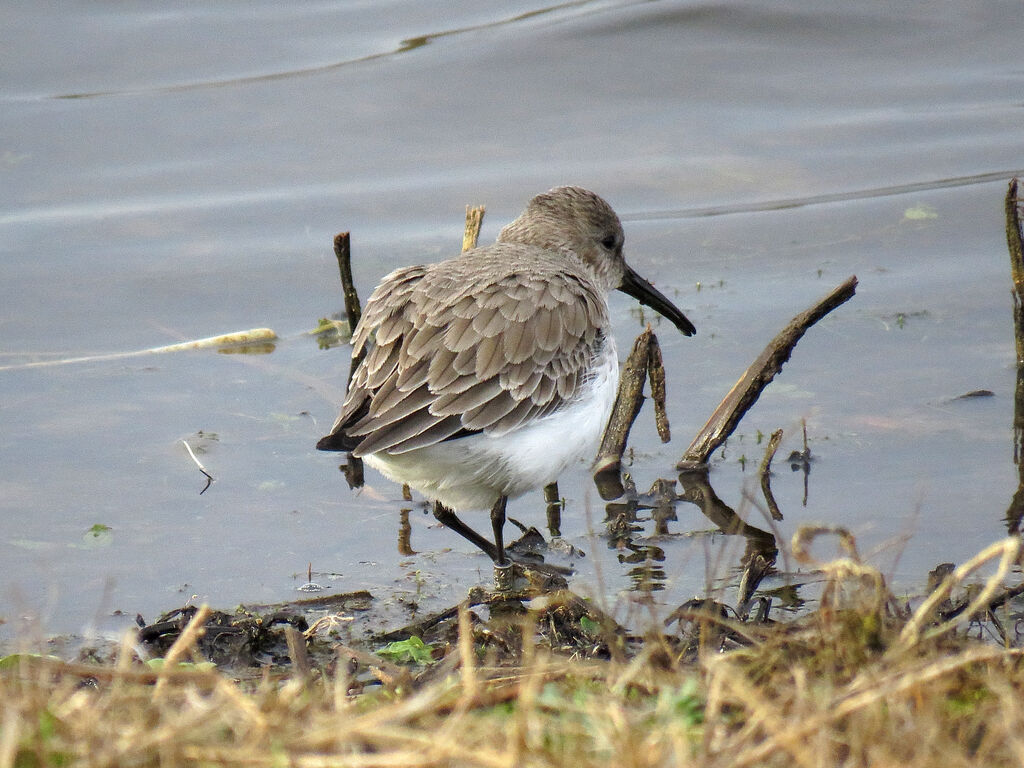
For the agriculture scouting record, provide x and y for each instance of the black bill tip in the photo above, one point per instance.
(647, 294)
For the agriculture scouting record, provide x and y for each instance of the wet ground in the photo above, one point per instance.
(168, 175)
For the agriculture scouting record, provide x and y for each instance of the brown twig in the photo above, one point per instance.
(745, 392)
(628, 400)
(353, 309)
(1014, 238)
(353, 468)
(656, 375)
(405, 533)
(343, 251)
(551, 495)
(474, 219)
(553, 507)
(765, 472)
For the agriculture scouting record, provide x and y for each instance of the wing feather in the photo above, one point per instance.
(473, 397)
(483, 342)
(489, 322)
(414, 375)
(515, 418)
(378, 366)
(392, 406)
(491, 412)
(490, 357)
(442, 371)
(394, 434)
(459, 335)
(438, 432)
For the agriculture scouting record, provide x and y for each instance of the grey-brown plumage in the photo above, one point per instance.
(488, 344)
(480, 343)
(489, 340)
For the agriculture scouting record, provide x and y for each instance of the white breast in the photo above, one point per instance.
(470, 473)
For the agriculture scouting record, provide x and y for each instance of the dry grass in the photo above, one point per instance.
(852, 684)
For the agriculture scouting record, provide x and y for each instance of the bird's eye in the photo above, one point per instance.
(609, 242)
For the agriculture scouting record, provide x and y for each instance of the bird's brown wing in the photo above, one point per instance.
(483, 342)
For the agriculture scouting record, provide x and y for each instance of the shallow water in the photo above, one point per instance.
(172, 174)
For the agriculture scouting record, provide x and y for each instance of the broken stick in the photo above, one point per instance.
(353, 310)
(745, 392)
(628, 400)
(474, 219)
(1014, 237)
(353, 467)
(765, 472)
(656, 375)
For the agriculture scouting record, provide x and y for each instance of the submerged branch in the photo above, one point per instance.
(628, 400)
(746, 391)
(656, 375)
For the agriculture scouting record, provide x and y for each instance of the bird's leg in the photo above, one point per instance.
(503, 577)
(498, 526)
(450, 520)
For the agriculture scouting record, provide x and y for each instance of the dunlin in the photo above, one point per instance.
(488, 374)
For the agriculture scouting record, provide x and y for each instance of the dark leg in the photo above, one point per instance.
(449, 519)
(498, 526)
(503, 574)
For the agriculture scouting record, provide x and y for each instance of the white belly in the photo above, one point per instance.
(471, 473)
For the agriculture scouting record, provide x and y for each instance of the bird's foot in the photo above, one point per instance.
(504, 577)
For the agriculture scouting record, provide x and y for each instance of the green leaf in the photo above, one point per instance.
(413, 649)
(920, 213)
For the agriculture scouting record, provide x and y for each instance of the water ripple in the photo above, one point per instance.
(409, 44)
(828, 197)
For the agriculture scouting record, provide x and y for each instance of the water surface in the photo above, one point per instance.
(169, 174)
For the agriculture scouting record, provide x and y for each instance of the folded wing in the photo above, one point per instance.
(474, 344)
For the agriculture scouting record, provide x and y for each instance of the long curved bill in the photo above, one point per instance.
(647, 294)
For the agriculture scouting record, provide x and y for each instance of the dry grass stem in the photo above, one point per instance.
(467, 654)
(1008, 552)
(182, 647)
